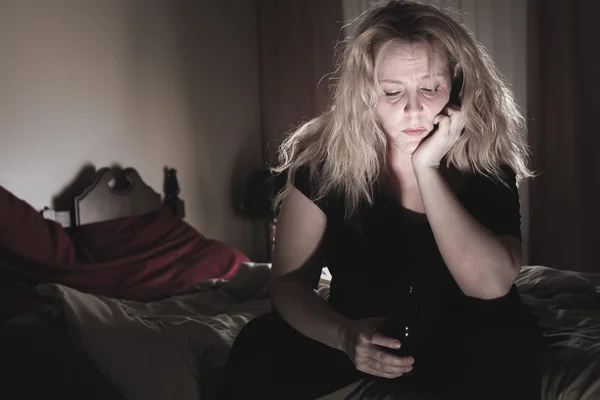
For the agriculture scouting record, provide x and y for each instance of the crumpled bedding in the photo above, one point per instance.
(176, 348)
(568, 307)
(164, 350)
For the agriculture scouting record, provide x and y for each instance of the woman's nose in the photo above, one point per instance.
(413, 105)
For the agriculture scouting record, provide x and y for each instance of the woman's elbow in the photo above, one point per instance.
(284, 286)
(491, 288)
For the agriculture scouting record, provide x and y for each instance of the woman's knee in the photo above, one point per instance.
(252, 353)
(254, 327)
(256, 335)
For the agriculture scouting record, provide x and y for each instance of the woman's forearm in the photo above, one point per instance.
(481, 265)
(308, 313)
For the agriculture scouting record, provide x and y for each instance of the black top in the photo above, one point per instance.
(375, 256)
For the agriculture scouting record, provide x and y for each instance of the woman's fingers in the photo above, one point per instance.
(455, 119)
(384, 341)
(381, 363)
(378, 368)
(443, 123)
(439, 118)
(369, 355)
(449, 110)
(393, 369)
(390, 359)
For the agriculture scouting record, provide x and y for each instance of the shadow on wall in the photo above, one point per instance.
(65, 199)
(212, 79)
(220, 76)
(242, 172)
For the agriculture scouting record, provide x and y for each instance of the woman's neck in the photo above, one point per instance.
(398, 182)
(399, 176)
(399, 167)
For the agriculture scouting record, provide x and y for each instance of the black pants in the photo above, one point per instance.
(487, 349)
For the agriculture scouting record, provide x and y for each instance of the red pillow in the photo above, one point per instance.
(144, 257)
(147, 256)
(124, 237)
(24, 232)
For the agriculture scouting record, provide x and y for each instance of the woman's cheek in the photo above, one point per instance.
(385, 114)
(436, 106)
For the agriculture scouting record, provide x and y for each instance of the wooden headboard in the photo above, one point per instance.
(118, 193)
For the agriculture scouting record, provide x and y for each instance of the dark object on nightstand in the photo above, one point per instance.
(259, 193)
(171, 189)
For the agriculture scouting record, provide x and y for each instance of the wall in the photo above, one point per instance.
(502, 28)
(564, 133)
(135, 83)
(297, 40)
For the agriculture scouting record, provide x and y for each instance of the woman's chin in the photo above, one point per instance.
(407, 147)
(410, 148)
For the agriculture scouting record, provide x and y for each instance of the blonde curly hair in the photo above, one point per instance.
(344, 147)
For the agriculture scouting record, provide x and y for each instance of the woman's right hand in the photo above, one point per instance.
(366, 348)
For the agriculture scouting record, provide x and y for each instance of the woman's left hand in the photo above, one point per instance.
(431, 151)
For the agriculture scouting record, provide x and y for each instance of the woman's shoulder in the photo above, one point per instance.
(494, 201)
(506, 179)
(481, 190)
(306, 180)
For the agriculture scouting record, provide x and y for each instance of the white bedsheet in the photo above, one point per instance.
(166, 350)
(176, 348)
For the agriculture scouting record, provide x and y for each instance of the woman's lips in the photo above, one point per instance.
(414, 131)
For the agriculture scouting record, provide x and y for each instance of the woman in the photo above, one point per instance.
(408, 183)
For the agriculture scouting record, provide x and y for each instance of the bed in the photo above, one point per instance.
(119, 298)
(121, 239)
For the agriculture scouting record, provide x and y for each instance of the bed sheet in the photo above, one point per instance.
(176, 348)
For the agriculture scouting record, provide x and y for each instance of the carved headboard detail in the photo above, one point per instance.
(119, 193)
(103, 201)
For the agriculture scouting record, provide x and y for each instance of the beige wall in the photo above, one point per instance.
(145, 83)
(296, 58)
(502, 27)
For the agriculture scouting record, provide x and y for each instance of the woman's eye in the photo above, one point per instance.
(430, 91)
(392, 94)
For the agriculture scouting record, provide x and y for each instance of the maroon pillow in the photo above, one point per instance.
(147, 256)
(141, 258)
(124, 237)
(24, 232)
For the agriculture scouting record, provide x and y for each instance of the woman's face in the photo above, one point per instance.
(408, 98)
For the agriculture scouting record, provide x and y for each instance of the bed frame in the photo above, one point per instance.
(116, 193)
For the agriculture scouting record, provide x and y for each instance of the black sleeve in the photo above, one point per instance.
(303, 183)
(495, 205)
